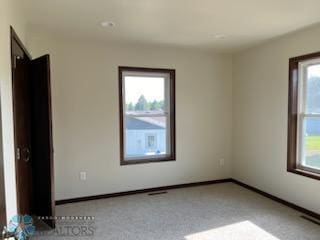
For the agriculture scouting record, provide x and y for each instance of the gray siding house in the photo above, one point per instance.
(145, 136)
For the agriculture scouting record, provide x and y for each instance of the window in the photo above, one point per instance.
(147, 115)
(304, 116)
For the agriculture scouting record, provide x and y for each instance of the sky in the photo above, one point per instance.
(314, 71)
(151, 87)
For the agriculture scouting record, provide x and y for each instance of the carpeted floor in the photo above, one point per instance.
(214, 212)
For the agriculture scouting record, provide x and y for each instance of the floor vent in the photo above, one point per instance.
(311, 220)
(157, 193)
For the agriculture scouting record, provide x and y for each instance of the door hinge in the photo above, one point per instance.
(18, 154)
(15, 58)
(14, 63)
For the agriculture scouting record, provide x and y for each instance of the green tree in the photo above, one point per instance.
(142, 104)
(130, 107)
(161, 105)
(154, 105)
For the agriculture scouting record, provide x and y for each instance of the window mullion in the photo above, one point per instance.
(310, 115)
(147, 115)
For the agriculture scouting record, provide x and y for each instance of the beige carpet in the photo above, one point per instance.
(215, 212)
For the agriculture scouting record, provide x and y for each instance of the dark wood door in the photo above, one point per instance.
(42, 143)
(2, 192)
(22, 127)
(33, 132)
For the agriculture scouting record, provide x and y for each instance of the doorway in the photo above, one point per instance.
(32, 132)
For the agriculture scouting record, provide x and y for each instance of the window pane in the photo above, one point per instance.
(144, 94)
(313, 89)
(311, 151)
(146, 136)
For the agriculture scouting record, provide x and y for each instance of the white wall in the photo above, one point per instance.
(86, 115)
(260, 106)
(11, 13)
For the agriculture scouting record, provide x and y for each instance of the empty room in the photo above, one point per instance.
(160, 119)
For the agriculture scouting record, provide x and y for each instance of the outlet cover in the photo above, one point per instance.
(83, 176)
(221, 161)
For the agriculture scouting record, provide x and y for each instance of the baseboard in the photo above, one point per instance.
(148, 190)
(186, 185)
(279, 200)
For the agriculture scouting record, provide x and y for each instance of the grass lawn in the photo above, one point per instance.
(313, 143)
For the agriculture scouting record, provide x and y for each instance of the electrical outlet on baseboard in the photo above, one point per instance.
(83, 176)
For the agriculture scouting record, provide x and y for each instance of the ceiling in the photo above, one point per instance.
(217, 25)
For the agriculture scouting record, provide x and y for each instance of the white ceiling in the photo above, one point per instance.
(188, 23)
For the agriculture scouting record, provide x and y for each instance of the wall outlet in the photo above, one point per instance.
(83, 176)
(221, 161)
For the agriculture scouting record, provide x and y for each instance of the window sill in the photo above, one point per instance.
(144, 161)
(305, 173)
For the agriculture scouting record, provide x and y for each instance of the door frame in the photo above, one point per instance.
(3, 210)
(14, 37)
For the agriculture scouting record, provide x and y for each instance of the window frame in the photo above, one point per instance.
(171, 135)
(296, 115)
